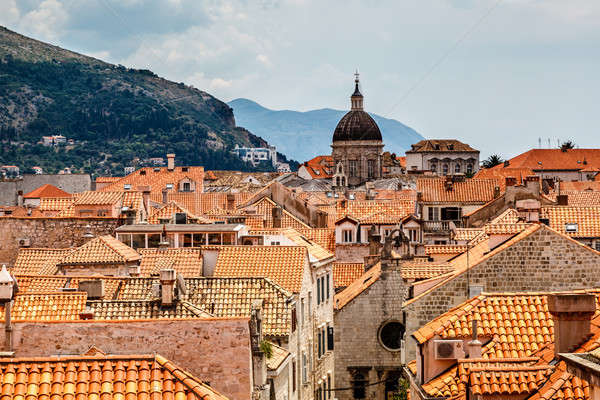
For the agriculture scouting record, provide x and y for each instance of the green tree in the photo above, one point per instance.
(568, 145)
(492, 161)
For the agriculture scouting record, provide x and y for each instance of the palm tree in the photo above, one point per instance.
(568, 145)
(492, 161)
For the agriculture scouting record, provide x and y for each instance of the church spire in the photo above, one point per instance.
(356, 100)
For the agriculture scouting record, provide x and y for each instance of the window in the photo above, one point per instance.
(294, 320)
(352, 168)
(347, 236)
(294, 375)
(277, 243)
(322, 288)
(433, 214)
(186, 239)
(187, 187)
(318, 291)
(330, 338)
(445, 169)
(199, 239)
(127, 186)
(309, 304)
(469, 168)
(304, 368)
(597, 245)
(412, 235)
(371, 168)
(432, 167)
(457, 168)
(302, 314)
(451, 213)
(391, 334)
(327, 297)
(327, 393)
(320, 348)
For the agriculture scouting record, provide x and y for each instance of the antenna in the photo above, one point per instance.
(539, 142)
(548, 142)
(356, 75)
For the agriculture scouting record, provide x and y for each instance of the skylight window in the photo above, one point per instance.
(570, 228)
(127, 186)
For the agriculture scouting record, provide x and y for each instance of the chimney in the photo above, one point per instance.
(572, 314)
(562, 200)
(170, 162)
(496, 192)
(277, 214)
(87, 313)
(20, 198)
(167, 287)
(474, 346)
(94, 288)
(511, 181)
(164, 196)
(230, 201)
(506, 163)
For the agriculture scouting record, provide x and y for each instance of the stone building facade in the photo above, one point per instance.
(357, 148)
(543, 260)
(361, 353)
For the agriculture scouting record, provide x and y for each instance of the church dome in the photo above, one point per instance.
(356, 124)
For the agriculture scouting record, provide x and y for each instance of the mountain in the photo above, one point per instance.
(308, 134)
(115, 116)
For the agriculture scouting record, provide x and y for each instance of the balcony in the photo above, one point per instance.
(440, 226)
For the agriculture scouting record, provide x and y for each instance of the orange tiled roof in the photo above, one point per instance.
(555, 159)
(226, 297)
(144, 309)
(505, 229)
(324, 237)
(186, 261)
(445, 248)
(277, 358)
(142, 377)
(425, 270)
(469, 191)
(40, 283)
(586, 218)
(376, 211)
(510, 216)
(579, 186)
(38, 261)
(346, 273)
(284, 265)
(55, 203)
(101, 250)
(264, 207)
(97, 198)
(358, 286)
(320, 167)
(583, 198)
(46, 190)
(168, 212)
(107, 179)
(47, 306)
(157, 179)
(563, 385)
(500, 175)
(467, 234)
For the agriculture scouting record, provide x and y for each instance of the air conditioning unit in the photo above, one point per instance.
(448, 349)
(24, 242)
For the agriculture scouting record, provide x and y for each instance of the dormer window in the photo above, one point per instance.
(571, 228)
(186, 187)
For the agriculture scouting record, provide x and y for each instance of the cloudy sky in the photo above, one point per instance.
(498, 74)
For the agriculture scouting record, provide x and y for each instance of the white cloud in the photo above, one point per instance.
(46, 21)
(10, 12)
(263, 59)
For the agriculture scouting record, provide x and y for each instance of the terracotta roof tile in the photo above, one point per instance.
(315, 251)
(55, 203)
(579, 199)
(168, 211)
(186, 261)
(320, 167)
(97, 198)
(96, 377)
(555, 159)
(563, 385)
(103, 249)
(226, 297)
(505, 229)
(424, 270)
(469, 191)
(38, 261)
(46, 190)
(157, 179)
(346, 273)
(441, 145)
(284, 265)
(467, 234)
(143, 309)
(324, 237)
(376, 211)
(509, 216)
(445, 248)
(358, 286)
(277, 358)
(47, 306)
(586, 219)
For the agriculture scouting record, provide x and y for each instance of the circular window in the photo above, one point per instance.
(391, 334)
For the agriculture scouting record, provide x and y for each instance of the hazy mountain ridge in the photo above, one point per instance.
(308, 134)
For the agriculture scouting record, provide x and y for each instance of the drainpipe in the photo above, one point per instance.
(8, 336)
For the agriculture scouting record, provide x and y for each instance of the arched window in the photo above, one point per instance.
(457, 168)
(433, 167)
(391, 334)
(469, 168)
(445, 169)
(337, 181)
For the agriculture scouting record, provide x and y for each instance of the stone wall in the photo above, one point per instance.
(351, 253)
(216, 350)
(542, 261)
(48, 232)
(357, 325)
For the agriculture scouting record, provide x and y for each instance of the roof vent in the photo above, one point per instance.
(571, 227)
(127, 186)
